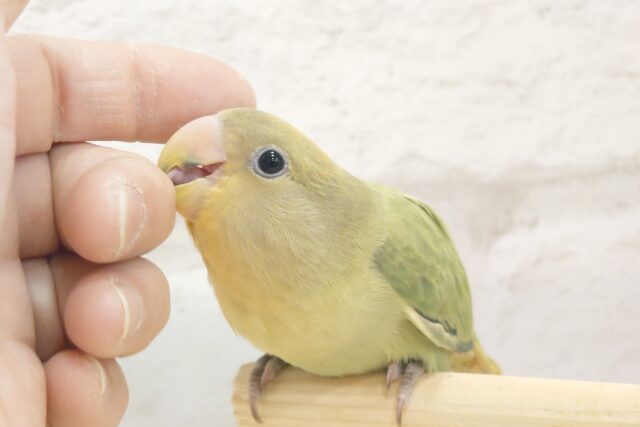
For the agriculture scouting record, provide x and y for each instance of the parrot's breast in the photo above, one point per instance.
(359, 329)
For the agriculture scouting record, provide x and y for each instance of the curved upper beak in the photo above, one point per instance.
(192, 158)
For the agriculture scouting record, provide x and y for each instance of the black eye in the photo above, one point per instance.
(270, 163)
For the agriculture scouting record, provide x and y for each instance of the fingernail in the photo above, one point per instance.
(102, 375)
(132, 216)
(132, 308)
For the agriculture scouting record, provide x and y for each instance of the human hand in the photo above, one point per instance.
(75, 217)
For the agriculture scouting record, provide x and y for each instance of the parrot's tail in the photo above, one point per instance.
(475, 361)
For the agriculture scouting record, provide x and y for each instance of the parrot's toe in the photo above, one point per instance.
(412, 372)
(265, 369)
(394, 370)
(273, 366)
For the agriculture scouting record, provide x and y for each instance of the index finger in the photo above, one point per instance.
(10, 9)
(77, 90)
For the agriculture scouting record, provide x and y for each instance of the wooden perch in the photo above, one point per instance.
(299, 399)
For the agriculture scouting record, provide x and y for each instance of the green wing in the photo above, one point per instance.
(420, 262)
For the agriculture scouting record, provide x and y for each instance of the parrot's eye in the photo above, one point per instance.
(269, 162)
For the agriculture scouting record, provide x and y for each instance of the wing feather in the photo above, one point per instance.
(418, 259)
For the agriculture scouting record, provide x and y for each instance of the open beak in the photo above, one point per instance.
(195, 151)
(193, 159)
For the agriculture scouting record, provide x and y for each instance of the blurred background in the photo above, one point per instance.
(518, 121)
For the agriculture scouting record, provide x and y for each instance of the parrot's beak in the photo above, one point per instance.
(194, 151)
(192, 158)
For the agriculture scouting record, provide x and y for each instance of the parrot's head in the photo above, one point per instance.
(245, 160)
(256, 192)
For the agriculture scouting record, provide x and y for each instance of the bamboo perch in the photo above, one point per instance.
(299, 399)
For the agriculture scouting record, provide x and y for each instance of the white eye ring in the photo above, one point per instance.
(269, 162)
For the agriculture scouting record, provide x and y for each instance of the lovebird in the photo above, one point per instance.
(317, 268)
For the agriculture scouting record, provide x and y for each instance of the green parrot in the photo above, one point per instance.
(317, 268)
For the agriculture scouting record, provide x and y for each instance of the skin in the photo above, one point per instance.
(75, 218)
(321, 269)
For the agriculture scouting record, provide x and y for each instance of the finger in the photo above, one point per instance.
(109, 205)
(22, 382)
(32, 189)
(7, 123)
(21, 376)
(16, 319)
(49, 296)
(11, 9)
(50, 337)
(128, 303)
(115, 91)
(84, 391)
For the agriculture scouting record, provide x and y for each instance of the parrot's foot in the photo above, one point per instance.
(410, 373)
(265, 369)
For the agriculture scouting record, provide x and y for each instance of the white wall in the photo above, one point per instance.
(519, 121)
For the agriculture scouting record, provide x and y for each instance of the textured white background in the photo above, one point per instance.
(519, 121)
